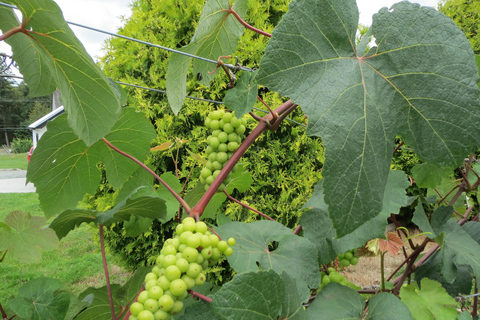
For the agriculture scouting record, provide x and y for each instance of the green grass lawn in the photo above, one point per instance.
(14, 161)
(76, 261)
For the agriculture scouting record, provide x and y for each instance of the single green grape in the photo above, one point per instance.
(201, 227)
(194, 270)
(155, 292)
(166, 302)
(142, 297)
(222, 147)
(227, 117)
(223, 137)
(178, 287)
(145, 315)
(190, 282)
(177, 307)
(173, 272)
(136, 307)
(190, 254)
(228, 128)
(222, 246)
(151, 305)
(348, 255)
(161, 315)
(231, 241)
(214, 115)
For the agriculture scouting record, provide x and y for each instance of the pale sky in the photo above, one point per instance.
(108, 15)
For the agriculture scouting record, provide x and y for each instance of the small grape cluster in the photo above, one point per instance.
(226, 137)
(179, 267)
(348, 258)
(334, 276)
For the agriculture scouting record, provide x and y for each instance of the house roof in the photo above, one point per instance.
(40, 123)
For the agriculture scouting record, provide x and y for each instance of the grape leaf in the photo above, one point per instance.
(129, 290)
(136, 226)
(294, 255)
(64, 168)
(99, 309)
(91, 101)
(143, 207)
(217, 34)
(427, 175)
(41, 299)
(383, 305)
(335, 302)
(25, 237)
(318, 227)
(292, 306)
(431, 302)
(238, 300)
(200, 310)
(418, 82)
(242, 98)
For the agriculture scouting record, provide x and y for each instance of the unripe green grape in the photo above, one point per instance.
(221, 123)
(207, 122)
(215, 124)
(205, 173)
(244, 121)
(232, 146)
(231, 241)
(222, 147)
(169, 260)
(240, 129)
(166, 302)
(189, 281)
(227, 180)
(194, 241)
(205, 241)
(172, 272)
(184, 237)
(341, 256)
(150, 276)
(214, 115)
(235, 168)
(150, 283)
(132, 317)
(155, 292)
(159, 259)
(163, 283)
(145, 315)
(209, 166)
(182, 264)
(215, 254)
(221, 187)
(345, 262)
(136, 307)
(194, 270)
(179, 255)
(205, 264)
(354, 261)
(235, 122)
(182, 246)
(228, 128)
(217, 165)
(206, 187)
(200, 279)
(190, 254)
(325, 280)
(348, 255)
(209, 150)
(183, 296)
(169, 249)
(142, 297)
(232, 137)
(200, 259)
(169, 293)
(201, 227)
(207, 252)
(177, 307)
(156, 270)
(330, 270)
(202, 181)
(151, 305)
(212, 262)
(214, 240)
(228, 252)
(222, 157)
(210, 179)
(227, 117)
(336, 277)
(222, 246)
(178, 287)
(212, 157)
(223, 137)
(161, 315)
(215, 133)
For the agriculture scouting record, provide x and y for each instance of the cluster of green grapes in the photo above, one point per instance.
(227, 132)
(334, 276)
(179, 267)
(348, 258)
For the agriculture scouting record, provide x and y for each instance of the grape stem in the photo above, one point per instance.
(246, 25)
(263, 125)
(176, 195)
(200, 296)
(247, 206)
(105, 268)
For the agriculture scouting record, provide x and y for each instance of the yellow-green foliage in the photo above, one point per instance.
(285, 165)
(466, 14)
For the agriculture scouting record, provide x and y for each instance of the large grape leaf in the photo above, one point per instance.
(50, 56)
(294, 255)
(418, 82)
(99, 309)
(25, 236)
(217, 34)
(64, 167)
(431, 302)
(243, 97)
(318, 227)
(41, 299)
(336, 302)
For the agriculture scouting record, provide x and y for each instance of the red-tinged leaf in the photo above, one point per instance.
(393, 244)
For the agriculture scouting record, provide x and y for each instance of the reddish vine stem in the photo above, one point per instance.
(475, 300)
(200, 296)
(4, 314)
(398, 147)
(11, 32)
(246, 206)
(213, 231)
(177, 196)
(465, 178)
(105, 268)
(263, 125)
(266, 105)
(297, 230)
(246, 25)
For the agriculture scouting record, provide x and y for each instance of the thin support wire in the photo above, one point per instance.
(230, 66)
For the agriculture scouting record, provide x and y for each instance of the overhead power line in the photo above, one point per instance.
(145, 42)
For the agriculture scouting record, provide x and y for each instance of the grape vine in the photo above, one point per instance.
(413, 78)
